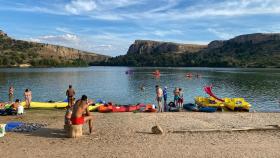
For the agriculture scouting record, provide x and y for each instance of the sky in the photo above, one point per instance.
(110, 26)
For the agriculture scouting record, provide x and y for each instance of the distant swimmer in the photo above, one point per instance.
(142, 87)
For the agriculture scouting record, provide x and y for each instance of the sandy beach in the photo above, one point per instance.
(129, 135)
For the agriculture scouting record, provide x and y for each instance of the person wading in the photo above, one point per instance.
(11, 94)
(28, 97)
(70, 93)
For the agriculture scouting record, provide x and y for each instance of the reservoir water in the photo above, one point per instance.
(260, 87)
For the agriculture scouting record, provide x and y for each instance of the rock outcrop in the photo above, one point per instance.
(151, 47)
(17, 52)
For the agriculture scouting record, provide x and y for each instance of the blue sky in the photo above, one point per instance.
(110, 26)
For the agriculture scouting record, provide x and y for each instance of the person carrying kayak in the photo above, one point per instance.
(81, 114)
(70, 93)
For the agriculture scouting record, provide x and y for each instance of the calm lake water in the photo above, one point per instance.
(260, 87)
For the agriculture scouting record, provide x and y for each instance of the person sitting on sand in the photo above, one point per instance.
(79, 108)
(68, 114)
(159, 94)
(12, 110)
(15, 105)
(70, 93)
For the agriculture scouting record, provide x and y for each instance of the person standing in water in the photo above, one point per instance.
(70, 93)
(181, 98)
(176, 96)
(159, 94)
(165, 98)
(11, 94)
(28, 97)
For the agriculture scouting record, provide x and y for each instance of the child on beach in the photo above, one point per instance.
(181, 98)
(68, 113)
(176, 96)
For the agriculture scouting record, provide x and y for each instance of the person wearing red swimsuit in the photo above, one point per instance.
(81, 114)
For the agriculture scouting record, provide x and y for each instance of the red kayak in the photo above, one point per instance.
(123, 108)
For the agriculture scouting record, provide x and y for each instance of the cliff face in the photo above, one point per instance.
(252, 50)
(151, 47)
(256, 38)
(16, 52)
(65, 53)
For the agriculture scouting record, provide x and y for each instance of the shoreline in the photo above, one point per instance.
(129, 135)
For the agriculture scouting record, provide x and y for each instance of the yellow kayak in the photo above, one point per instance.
(237, 104)
(46, 105)
(94, 107)
(209, 102)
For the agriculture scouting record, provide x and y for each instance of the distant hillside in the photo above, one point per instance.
(252, 50)
(152, 47)
(17, 52)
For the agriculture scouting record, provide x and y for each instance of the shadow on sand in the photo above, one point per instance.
(48, 133)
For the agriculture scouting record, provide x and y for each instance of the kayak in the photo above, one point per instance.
(190, 107)
(209, 102)
(94, 107)
(150, 108)
(193, 107)
(237, 104)
(123, 108)
(46, 105)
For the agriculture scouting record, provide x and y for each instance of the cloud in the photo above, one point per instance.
(221, 34)
(63, 30)
(80, 6)
(57, 39)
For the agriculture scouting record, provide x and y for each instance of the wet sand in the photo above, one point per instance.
(129, 135)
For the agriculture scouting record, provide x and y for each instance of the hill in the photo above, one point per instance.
(252, 50)
(23, 53)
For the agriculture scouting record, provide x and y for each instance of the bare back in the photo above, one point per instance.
(70, 92)
(79, 108)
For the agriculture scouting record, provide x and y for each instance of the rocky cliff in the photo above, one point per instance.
(15, 52)
(252, 50)
(151, 47)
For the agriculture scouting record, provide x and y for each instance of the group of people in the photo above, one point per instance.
(77, 112)
(15, 107)
(161, 95)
